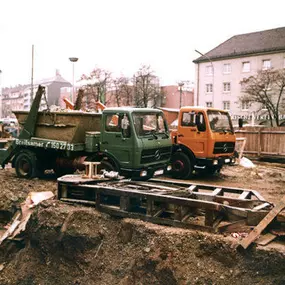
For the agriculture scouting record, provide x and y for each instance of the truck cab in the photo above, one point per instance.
(135, 141)
(204, 141)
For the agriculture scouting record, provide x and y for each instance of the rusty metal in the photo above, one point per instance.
(181, 204)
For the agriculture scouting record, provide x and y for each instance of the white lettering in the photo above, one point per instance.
(48, 144)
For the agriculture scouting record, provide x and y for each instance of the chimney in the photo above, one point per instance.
(57, 73)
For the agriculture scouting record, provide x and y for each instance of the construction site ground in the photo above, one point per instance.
(74, 244)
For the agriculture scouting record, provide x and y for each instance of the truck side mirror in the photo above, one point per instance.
(240, 122)
(125, 127)
(126, 133)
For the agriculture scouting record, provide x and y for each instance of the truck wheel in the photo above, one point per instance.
(106, 165)
(26, 165)
(181, 166)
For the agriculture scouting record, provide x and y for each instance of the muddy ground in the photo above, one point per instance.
(71, 244)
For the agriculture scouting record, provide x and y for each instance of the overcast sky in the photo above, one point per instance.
(120, 35)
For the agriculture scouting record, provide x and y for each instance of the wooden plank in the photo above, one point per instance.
(259, 142)
(254, 217)
(238, 226)
(192, 188)
(217, 221)
(69, 200)
(149, 207)
(244, 195)
(265, 239)
(177, 212)
(158, 213)
(209, 218)
(263, 224)
(261, 206)
(124, 203)
(278, 232)
(217, 191)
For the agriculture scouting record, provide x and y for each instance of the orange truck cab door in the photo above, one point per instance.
(192, 132)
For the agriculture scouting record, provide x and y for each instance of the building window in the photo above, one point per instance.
(209, 104)
(227, 68)
(209, 70)
(209, 88)
(227, 86)
(226, 105)
(246, 66)
(266, 64)
(245, 105)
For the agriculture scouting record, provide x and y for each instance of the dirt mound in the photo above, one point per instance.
(78, 245)
(68, 244)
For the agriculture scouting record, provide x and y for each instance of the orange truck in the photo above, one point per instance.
(203, 141)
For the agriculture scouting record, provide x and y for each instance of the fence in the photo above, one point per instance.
(263, 141)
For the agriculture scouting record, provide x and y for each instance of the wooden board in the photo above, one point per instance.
(263, 224)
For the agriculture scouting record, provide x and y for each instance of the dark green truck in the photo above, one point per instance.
(132, 141)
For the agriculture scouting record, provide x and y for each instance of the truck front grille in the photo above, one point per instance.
(156, 154)
(224, 147)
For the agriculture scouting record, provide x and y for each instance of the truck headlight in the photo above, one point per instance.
(169, 167)
(143, 173)
(215, 162)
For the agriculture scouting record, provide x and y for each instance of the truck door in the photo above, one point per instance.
(116, 137)
(192, 132)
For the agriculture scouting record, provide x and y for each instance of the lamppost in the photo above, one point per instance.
(212, 74)
(73, 60)
(180, 84)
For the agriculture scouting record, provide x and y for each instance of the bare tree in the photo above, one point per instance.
(267, 89)
(147, 89)
(96, 85)
(122, 91)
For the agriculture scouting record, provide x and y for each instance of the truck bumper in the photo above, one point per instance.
(147, 172)
(216, 162)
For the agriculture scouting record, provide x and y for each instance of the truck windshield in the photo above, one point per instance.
(220, 121)
(150, 124)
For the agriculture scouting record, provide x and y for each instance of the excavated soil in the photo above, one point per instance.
(71, 244)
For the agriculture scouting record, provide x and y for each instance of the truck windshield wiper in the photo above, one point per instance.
(152, 132)
(219, 130)
(164, 133)
(228, 131)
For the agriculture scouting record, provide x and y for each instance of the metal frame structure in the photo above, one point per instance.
(167, 202)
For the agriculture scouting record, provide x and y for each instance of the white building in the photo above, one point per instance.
(220, 71)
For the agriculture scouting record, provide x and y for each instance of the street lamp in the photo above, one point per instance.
(212, 73)
(180, 84)
(73, 60)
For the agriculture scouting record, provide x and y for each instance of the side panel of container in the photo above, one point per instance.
(65, 126)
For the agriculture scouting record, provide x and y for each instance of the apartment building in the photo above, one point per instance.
(12, 99)
(219, 72)
(20, 97)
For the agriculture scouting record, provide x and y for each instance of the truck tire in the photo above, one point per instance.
(182, 167)
(26, 165)
(106, 165)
